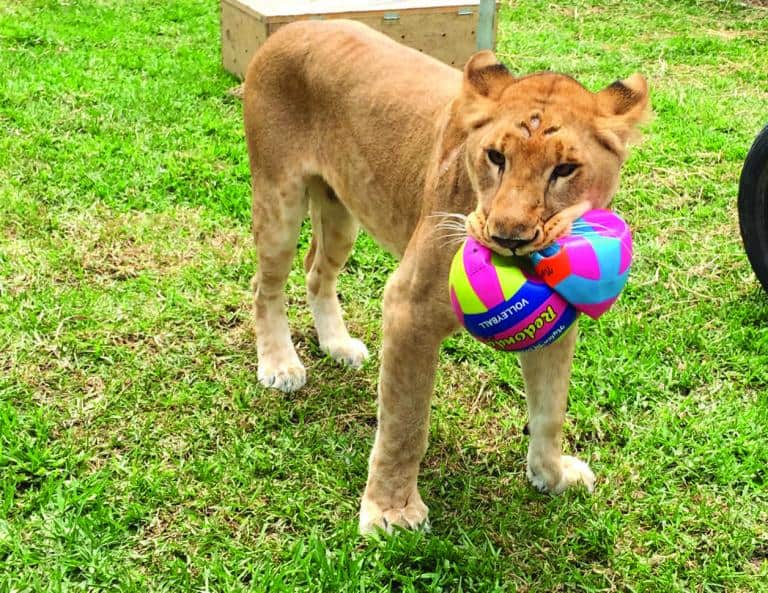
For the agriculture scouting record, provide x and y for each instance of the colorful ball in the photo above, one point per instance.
(589, 267)
(503, 305)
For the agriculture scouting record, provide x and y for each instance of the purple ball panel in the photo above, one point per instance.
(595, 311)
(582, 258)
(481, 273)
(604, 222)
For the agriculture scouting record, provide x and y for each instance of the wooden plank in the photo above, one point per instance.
(241, 36)
(441, 28)
(447, 36)
(374, 16)
(272, 8)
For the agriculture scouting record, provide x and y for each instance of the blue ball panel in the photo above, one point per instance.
(507, 313)
(581, 291)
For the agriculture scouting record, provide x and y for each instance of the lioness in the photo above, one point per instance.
(345, 123)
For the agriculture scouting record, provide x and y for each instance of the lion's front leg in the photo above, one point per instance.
(547, 374)
(415, 324)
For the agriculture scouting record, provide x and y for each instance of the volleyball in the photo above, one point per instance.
(502, 302)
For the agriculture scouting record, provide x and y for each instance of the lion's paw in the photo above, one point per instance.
(374, 518)
(285, 374)
(572, 472)
(348, 351)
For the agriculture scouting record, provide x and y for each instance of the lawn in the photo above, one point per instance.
(138, 451)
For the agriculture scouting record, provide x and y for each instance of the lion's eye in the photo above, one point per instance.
(496, 158)
(563, 170)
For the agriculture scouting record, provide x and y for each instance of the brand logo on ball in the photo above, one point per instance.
(541, 322)
(497, 319)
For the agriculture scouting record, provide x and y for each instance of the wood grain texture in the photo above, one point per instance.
(444, 29)
(298, 7)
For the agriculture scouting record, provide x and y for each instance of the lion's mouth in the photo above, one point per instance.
(477, 228)
(557, 226)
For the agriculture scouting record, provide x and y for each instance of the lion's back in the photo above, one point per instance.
(349, 60)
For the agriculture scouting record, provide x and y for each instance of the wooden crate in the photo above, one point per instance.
(450, 31)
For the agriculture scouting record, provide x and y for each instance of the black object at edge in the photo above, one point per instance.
(753, 206)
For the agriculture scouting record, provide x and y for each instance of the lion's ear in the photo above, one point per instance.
(485, 76)
(624, 105)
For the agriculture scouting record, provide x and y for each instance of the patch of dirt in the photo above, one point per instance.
(101, 246)
(236, 91)
(728, 35)
(118, 246)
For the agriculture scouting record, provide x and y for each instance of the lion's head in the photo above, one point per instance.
(540, 150)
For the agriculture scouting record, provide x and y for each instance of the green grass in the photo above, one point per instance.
(137, 451)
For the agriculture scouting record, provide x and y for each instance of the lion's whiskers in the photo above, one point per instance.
(590, 225)
(458, 215)
(454, 241)
(451, 226)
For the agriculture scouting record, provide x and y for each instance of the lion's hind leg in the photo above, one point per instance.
(278, 211)
(334, 231)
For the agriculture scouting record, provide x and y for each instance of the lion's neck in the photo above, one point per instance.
(447, 184)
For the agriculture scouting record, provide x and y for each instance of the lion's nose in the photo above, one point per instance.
(516, 242)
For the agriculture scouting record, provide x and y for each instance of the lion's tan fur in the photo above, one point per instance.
(356, 129)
